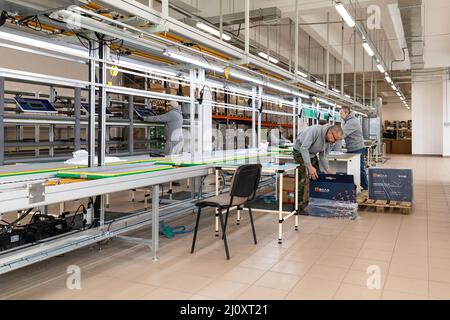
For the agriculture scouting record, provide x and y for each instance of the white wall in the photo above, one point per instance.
(393, 112)
(446, 116)
(427, 106)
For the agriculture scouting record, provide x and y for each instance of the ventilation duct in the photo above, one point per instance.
(411, 13)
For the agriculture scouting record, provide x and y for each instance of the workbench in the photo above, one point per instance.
(35, 190)
(269, 166)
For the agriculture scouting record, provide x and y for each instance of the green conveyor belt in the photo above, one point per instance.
(66, 172)
(104, 173)
(196, 162)
(25, 172)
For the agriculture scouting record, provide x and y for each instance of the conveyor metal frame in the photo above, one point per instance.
(17, 197)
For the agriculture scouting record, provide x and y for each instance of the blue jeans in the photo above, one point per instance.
(364, 182)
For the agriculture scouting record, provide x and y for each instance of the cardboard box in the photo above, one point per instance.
(171, 91)
(401, 147)
(220, 96)
(289, 183)
(173, 85)
(333, 196)
(388, 143)
(241, 101)
(338, 187)
(155, 86)
(288, 196)
(135, 85)
(186, 91)
(390, 184)
(232, 100)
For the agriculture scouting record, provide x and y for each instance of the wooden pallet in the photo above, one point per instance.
(383, 205)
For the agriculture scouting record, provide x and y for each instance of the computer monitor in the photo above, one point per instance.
(87, 108)
(35, 105)
(324, 116)
(143, 112)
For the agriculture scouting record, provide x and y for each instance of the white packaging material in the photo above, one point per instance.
(81, 158)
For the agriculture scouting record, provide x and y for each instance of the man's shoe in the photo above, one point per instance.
(303, 210)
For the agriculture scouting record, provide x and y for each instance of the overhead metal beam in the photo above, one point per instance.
(262, 14)
(158, 44)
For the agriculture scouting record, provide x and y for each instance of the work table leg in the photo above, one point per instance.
(155, 221)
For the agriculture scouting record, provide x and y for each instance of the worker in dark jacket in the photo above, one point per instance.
(354, 140)
(173, 131)
(312, 144)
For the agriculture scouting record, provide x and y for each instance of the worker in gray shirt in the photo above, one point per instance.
(354, 140)
(173, 131)
(312, 143)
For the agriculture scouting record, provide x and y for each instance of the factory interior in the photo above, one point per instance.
(239, 150)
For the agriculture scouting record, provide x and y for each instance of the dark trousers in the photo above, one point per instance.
(303, 179)
(364, 182)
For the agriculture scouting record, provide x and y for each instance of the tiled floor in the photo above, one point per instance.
(325, 259)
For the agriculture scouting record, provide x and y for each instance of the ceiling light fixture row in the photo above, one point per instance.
(233, 73)
(209, 29)
(347, 17)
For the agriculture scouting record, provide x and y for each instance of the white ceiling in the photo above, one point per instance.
(315, 11)
(437, 33)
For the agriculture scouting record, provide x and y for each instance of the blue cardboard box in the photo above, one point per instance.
(391, 184)
(333, 196)
(337, 187)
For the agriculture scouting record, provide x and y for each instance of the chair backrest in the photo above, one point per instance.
(246, 181)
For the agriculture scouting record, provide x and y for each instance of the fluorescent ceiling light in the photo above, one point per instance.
(245, 77)
(301, 95)
(381, 68)
(279, 88)
(141, 66)
(336, 90)
(265, 57)
(187, 59)
(402, 98)
(325, 102)
(287, 90)
(388, 79)
(321, 83)
(45, 45)
(368, 48)
(213, 31)
(394, 87)
(344, 14)
(399, 94)
(348, 96)
(302, 74)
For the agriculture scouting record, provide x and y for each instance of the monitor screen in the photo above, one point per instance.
(87, 108)
(35, 105)
(143, 112)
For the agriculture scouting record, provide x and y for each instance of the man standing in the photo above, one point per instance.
(313, 142)
(173, 131)
(354, 140)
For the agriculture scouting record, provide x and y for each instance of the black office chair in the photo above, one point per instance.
(243, 190)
